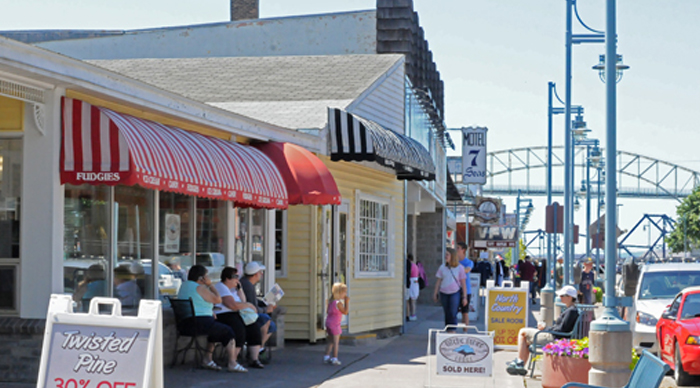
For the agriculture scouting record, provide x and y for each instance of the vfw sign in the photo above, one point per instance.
(495, 236)
(474, 155)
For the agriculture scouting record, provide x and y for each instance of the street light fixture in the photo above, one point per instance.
(619, 68)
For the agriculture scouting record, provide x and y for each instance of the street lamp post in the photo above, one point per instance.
(571, 39)
(610, 337)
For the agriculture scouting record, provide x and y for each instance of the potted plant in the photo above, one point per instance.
(565, 361)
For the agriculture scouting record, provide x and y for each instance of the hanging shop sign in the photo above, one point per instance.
(494, 236)
(474, 155)
(487, 210)
(96, 350)
(506, 312)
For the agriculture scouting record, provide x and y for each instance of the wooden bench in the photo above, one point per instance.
(648, 373)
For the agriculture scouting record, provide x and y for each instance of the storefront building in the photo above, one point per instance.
(362, 240)
(101, 175)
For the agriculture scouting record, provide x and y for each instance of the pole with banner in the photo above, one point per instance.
(474, 155)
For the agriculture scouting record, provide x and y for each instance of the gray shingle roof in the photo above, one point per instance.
(281, 86)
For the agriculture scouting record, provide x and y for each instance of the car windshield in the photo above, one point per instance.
(691, 307)
(666, 284)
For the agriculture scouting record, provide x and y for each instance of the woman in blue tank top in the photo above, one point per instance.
(199, 288)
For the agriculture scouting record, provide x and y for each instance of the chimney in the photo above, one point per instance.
(245, 9)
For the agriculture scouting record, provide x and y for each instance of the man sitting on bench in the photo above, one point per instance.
(565, 324)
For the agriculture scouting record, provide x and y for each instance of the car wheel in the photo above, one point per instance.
(682, 378)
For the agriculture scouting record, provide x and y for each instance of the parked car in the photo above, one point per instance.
(168, 284)
(657, 287)
(678, 335)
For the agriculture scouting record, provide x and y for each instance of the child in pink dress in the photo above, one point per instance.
(336, 308)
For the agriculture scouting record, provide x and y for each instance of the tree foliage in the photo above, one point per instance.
(687, 224)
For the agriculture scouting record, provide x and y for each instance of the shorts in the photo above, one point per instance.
(465, 309)
(542, 339)
(413, 291)
(263, 319)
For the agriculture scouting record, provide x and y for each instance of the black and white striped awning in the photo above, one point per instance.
(356, 138)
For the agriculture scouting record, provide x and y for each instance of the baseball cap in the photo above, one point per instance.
(568, 291)
(253, 267)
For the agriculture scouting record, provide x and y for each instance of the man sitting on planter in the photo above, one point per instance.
(564, 324)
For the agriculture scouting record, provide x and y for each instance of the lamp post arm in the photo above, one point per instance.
(578, 17)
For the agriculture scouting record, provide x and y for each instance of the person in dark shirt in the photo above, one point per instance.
(253, 274)
(564, 324)
(527, 273)
(587, 282)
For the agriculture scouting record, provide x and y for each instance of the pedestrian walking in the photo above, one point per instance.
(413, 288)
(450, 287)
(468, 265)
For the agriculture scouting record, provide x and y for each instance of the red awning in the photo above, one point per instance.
(101, 146)
(307, 179)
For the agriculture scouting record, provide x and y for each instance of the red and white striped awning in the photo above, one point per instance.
(101, 146)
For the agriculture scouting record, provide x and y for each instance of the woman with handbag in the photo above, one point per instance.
(238, 314)
(451, 287)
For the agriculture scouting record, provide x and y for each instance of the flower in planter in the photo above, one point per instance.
(598, 293)
(567, 348)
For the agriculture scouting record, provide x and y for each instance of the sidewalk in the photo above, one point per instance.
(393, 362)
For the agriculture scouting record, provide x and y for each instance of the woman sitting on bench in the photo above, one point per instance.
(565, 324)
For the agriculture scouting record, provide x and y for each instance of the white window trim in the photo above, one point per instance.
(283, 273)
(390, 273)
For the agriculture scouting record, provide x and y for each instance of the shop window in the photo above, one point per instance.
(250, 239)
(86, 243)
(210, 229)
(175, 240)
(134, 235)
(10, 210)
(374, 243)
(281, 243)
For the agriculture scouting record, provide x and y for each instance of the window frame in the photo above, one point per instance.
(283, 272)
(359, 273)
(15, 262)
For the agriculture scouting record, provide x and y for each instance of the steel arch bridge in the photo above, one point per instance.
(639, 176)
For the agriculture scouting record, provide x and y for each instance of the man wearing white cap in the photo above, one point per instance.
(253, 273)
(564, 324)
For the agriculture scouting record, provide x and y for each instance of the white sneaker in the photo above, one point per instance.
(413, 318)
(335, 361)
(326, 359)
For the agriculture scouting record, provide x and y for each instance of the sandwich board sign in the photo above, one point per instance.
(507, 310)
(93, 350)
(468, 354)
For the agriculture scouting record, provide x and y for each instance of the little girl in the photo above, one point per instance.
(336, 307)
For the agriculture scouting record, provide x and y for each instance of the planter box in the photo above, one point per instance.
(557, 371)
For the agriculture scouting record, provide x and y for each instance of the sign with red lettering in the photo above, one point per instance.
(96, 350)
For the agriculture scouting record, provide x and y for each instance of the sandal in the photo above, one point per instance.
(237, 369)
(211, 365)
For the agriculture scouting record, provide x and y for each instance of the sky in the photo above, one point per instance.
(496, 58)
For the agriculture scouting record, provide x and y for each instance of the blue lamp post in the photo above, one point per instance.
(593, 37)
(608, 362)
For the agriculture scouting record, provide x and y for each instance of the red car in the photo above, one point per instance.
(678, 335)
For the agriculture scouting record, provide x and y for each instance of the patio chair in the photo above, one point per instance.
(536, 350)
(184, 310)
(648, 373)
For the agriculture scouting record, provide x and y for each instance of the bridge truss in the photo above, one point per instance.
(639, 176)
